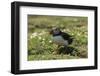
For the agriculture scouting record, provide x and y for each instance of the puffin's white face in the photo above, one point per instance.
(56, 30)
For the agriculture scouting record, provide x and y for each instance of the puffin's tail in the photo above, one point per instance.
(70, 40)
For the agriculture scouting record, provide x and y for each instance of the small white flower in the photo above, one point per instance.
(39, 38)
(50, 41)
(78, 34)
(72, 34)
(64, 30)
(42, 33)
(31, 36)
(35, 34)
(43, 39)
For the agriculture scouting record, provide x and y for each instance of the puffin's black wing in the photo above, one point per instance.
(67, 37)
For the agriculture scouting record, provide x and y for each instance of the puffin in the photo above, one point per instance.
(61, 38)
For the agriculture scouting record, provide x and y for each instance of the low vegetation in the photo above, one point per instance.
(40, 46)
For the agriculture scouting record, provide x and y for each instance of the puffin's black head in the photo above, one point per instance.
(55, 31)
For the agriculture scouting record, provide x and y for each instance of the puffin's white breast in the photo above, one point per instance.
(59, 40)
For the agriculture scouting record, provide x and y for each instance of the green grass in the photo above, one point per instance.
(40, 46)
(51, 57)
